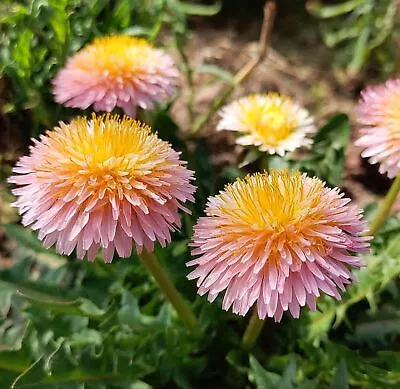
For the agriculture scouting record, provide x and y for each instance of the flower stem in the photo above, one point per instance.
(189, 77)
(170, 292)
(385, 207)
(246, 70)
(253, 330)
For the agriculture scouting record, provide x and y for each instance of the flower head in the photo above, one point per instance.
(116, 71)
(277, 240)
(379, 115)
(104, 182)
(272, 122)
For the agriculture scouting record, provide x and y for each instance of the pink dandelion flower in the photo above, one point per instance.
(116, 71)
(273, 123)
(277, 240)
(104, 183)
(379, 115)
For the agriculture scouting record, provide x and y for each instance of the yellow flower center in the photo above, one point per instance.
(274, 201)
(105, 155)
(116, 57)
(270, 117)
(273, 212)
(391, 117)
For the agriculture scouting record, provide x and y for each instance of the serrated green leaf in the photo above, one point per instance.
(340, 379)
(50, 298)
(378, 329)
(380, 270)
(35, 378)
(263, 378)
(87, 337)
(14, 355)
(288, 376)
(335, 132)
(78, 307)
(130, 315)
(327, 156)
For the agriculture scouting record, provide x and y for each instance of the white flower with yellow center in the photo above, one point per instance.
(273, 123)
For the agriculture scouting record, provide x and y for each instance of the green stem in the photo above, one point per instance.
(189, 77)
(215, 106)
(170, 292)
(253, 330)
(385, 207)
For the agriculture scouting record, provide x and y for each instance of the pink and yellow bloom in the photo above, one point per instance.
(272, 122)
(116, 71)
(277, 240)
(379, 115)
(103, 182)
